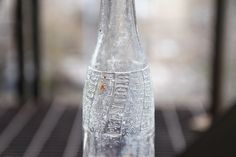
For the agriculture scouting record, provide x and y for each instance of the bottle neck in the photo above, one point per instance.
(117, 18)
(118, 46)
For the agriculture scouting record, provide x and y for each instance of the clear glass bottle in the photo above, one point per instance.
(118, 102)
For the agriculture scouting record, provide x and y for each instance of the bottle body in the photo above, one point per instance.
(118, 101)
(118, 114)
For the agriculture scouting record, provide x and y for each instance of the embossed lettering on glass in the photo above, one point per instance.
(118, 101)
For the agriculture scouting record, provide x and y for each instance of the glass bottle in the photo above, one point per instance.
(118, 102)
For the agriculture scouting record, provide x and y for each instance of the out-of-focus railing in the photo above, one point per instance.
(27, 37)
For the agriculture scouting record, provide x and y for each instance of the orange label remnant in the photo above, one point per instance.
(102, 87)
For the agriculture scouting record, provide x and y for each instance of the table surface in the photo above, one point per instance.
(56, 131)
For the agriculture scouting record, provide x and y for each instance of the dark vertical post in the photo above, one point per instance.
(36, 47)
(217, 66)
(20, 50)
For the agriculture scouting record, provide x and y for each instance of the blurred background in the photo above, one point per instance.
(45, 47)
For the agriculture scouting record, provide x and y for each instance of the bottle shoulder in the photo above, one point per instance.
(120, 53)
